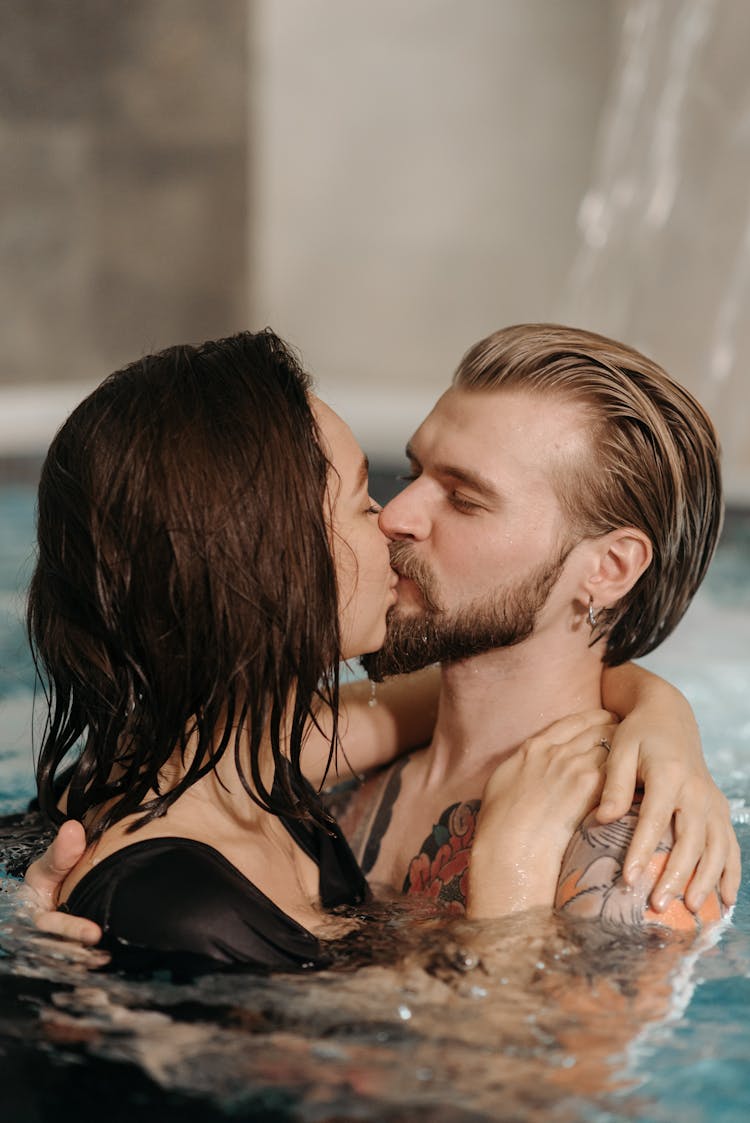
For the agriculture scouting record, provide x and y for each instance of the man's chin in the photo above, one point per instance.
(420, 642)
(412, 641)
(418, 637)
(381, 665)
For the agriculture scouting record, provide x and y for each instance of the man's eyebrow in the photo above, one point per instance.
(475, 480)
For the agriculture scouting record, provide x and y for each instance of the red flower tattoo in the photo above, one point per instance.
(440, 869)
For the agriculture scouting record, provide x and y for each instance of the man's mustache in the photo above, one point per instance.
(406, 563)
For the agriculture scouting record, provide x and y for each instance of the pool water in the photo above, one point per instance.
(524, 1019)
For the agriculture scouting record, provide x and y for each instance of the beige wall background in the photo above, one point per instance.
(418, 180)
(123, 192)
(383, 183)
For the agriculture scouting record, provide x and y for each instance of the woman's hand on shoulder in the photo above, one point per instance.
(44, 879)
(532, 803)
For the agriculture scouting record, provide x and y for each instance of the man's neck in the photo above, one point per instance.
(491, 703)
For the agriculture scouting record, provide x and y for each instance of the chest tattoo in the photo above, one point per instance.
(440, 869)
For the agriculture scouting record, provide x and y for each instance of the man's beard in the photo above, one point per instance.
(502, 619)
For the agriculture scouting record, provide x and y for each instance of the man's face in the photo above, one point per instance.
(479, 537)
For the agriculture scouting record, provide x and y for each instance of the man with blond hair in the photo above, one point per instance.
(564, 505)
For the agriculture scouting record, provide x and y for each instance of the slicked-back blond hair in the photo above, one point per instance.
(653, 463)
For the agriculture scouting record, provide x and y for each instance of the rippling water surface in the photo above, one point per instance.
(521, 1020)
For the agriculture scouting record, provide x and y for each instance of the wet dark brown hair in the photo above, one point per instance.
(184, 583)
(653, 463)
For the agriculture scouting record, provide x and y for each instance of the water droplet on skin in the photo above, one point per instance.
(404, 1013)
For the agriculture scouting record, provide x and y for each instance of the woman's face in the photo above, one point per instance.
(366, 582)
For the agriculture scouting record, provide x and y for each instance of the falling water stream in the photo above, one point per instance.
(663, 257)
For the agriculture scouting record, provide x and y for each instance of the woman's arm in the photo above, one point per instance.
(657, 745)
(374, 729)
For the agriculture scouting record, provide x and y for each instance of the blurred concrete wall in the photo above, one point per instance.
(419, 169)
(415, 171)
(381, 182)
(123, 185)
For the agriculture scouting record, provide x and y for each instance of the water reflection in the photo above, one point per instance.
(522, 1019)
(526, 1018)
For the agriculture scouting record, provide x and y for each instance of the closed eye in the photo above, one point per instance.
(460, 502)
(463, 504)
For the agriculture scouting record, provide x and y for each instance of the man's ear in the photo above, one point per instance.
(621, 557)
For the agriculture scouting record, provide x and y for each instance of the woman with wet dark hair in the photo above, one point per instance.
(184, 611)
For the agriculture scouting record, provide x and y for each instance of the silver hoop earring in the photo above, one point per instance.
(592, 614)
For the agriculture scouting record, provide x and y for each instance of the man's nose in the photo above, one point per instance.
(406, 515)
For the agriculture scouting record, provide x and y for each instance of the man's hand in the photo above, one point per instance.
(668, 762)
(45, 877)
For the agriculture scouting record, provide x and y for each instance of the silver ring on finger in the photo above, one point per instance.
(605, 744)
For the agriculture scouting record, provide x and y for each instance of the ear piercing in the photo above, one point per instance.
(592, 614)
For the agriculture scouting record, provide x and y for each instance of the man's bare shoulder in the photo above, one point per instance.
(364, 807)
(591, 884)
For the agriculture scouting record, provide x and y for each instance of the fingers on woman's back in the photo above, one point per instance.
(46, 875)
